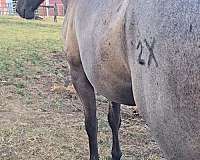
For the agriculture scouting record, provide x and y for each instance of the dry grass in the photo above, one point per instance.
(39, 122)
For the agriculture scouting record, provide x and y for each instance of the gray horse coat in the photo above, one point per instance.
(97, 41)
(156, 46)
(146, 48)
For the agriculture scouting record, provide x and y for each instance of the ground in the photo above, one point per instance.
(40, 118)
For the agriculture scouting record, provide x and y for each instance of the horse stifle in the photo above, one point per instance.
(136, 52)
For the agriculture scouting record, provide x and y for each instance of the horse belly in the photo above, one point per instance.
(108, 70)
(115, 86)
(167, 84)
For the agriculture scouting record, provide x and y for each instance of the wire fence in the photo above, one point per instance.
(10, 9)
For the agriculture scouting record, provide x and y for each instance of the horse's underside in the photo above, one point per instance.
(149, 48)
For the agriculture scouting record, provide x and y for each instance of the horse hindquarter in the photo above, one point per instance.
(164, 54)
(100, 32)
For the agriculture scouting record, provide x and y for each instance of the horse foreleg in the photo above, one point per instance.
(87, 96)
(114, 120)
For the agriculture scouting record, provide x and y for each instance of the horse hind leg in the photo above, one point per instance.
(114, 120)
(87, 96)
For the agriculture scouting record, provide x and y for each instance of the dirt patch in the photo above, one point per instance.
(42, 119)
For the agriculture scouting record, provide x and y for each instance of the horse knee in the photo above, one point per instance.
(90, 124)
(116, 155)
(114, 118)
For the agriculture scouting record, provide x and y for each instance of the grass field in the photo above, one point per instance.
(39, 118)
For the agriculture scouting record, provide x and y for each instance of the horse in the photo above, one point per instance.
(136, 52)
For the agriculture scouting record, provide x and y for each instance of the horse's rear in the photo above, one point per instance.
(95, 44)
(96, 40)
(164, 53)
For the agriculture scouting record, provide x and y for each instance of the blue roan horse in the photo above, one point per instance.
(143, 52)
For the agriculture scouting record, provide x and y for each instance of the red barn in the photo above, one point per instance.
(3, 7)
(46, 8)
(2, 3)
